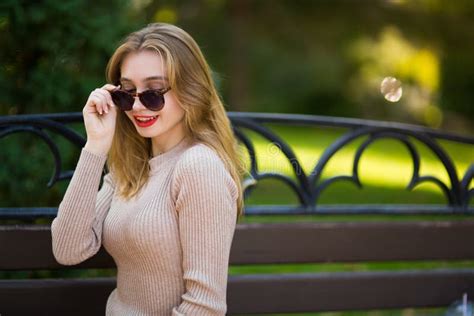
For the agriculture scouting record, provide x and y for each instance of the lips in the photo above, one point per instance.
(145, 121)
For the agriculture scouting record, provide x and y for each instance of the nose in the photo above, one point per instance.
(137, 104)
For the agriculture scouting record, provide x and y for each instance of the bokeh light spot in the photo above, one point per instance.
(391, 88)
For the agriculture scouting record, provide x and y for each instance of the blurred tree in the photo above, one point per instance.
(293, 56)
(54, 52)
(278, 56)
(299, 61)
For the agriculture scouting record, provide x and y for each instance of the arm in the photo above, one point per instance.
(207, 210)
(76, 231)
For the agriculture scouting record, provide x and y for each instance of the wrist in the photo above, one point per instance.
(95, 149)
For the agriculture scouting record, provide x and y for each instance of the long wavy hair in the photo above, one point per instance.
(205, 117)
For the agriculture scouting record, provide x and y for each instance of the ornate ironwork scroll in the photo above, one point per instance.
(307, 187)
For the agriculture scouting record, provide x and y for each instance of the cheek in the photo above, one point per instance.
(173, 108)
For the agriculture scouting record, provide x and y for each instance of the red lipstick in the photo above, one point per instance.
(145, 120)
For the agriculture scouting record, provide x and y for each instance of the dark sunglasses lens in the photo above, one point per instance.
(153, 100)
(122, 99)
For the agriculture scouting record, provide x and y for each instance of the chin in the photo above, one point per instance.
(149, 134)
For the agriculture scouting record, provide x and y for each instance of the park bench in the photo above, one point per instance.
(28, 246)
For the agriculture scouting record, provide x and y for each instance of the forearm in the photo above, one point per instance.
(72, 232)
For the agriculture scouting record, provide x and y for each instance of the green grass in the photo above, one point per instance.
(385, 168)
(346, 267)
(350, 218)
(272, 191)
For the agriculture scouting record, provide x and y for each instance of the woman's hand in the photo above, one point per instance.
(99, 115)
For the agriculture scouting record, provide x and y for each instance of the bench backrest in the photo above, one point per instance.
(29, 247)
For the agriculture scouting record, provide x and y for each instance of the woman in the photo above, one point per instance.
(168, 207)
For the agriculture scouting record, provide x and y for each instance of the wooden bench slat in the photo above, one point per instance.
(29, 247)
(353, 242)
(271, 293)
(52, 297)
(348, 291)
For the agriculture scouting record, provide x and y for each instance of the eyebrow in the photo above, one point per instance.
(163, 78)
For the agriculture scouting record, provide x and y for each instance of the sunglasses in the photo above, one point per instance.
(152, 99)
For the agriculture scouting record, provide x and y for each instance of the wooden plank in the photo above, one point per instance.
(75, 297)
(29, 246)
(272, 293)
(347, 291)
(353, 242)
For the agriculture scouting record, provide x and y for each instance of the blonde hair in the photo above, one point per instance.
(205, 118)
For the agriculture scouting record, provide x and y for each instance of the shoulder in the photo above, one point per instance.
(199, 164)
(198, 154)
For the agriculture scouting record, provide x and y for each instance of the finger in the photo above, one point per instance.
(103, 102)
(97, 103)
(94, 102)
(109, 87)
(109, 98)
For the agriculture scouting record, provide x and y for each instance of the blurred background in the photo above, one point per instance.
(294, 56)
(298, 56)
(312, 57)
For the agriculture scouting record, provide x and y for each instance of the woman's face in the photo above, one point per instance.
(145, 70)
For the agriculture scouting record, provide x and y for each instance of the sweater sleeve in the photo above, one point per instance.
(76, 231)
(206, 205)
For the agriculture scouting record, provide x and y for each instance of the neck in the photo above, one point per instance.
(160, 148)
(162, 143)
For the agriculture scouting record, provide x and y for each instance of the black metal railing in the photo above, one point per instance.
(307, 187)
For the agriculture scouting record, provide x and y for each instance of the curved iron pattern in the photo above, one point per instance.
(37, 124)
(308, 188)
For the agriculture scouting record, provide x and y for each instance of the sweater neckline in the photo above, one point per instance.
(157, 161)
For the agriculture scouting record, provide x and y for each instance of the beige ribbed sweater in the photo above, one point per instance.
(171, 243)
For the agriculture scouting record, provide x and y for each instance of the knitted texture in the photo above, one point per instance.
(171, 242)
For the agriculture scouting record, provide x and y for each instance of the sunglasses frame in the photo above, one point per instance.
(160, 93)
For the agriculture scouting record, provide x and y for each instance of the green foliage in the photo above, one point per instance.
(278, 56)
(53, 54)
(56, 51)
